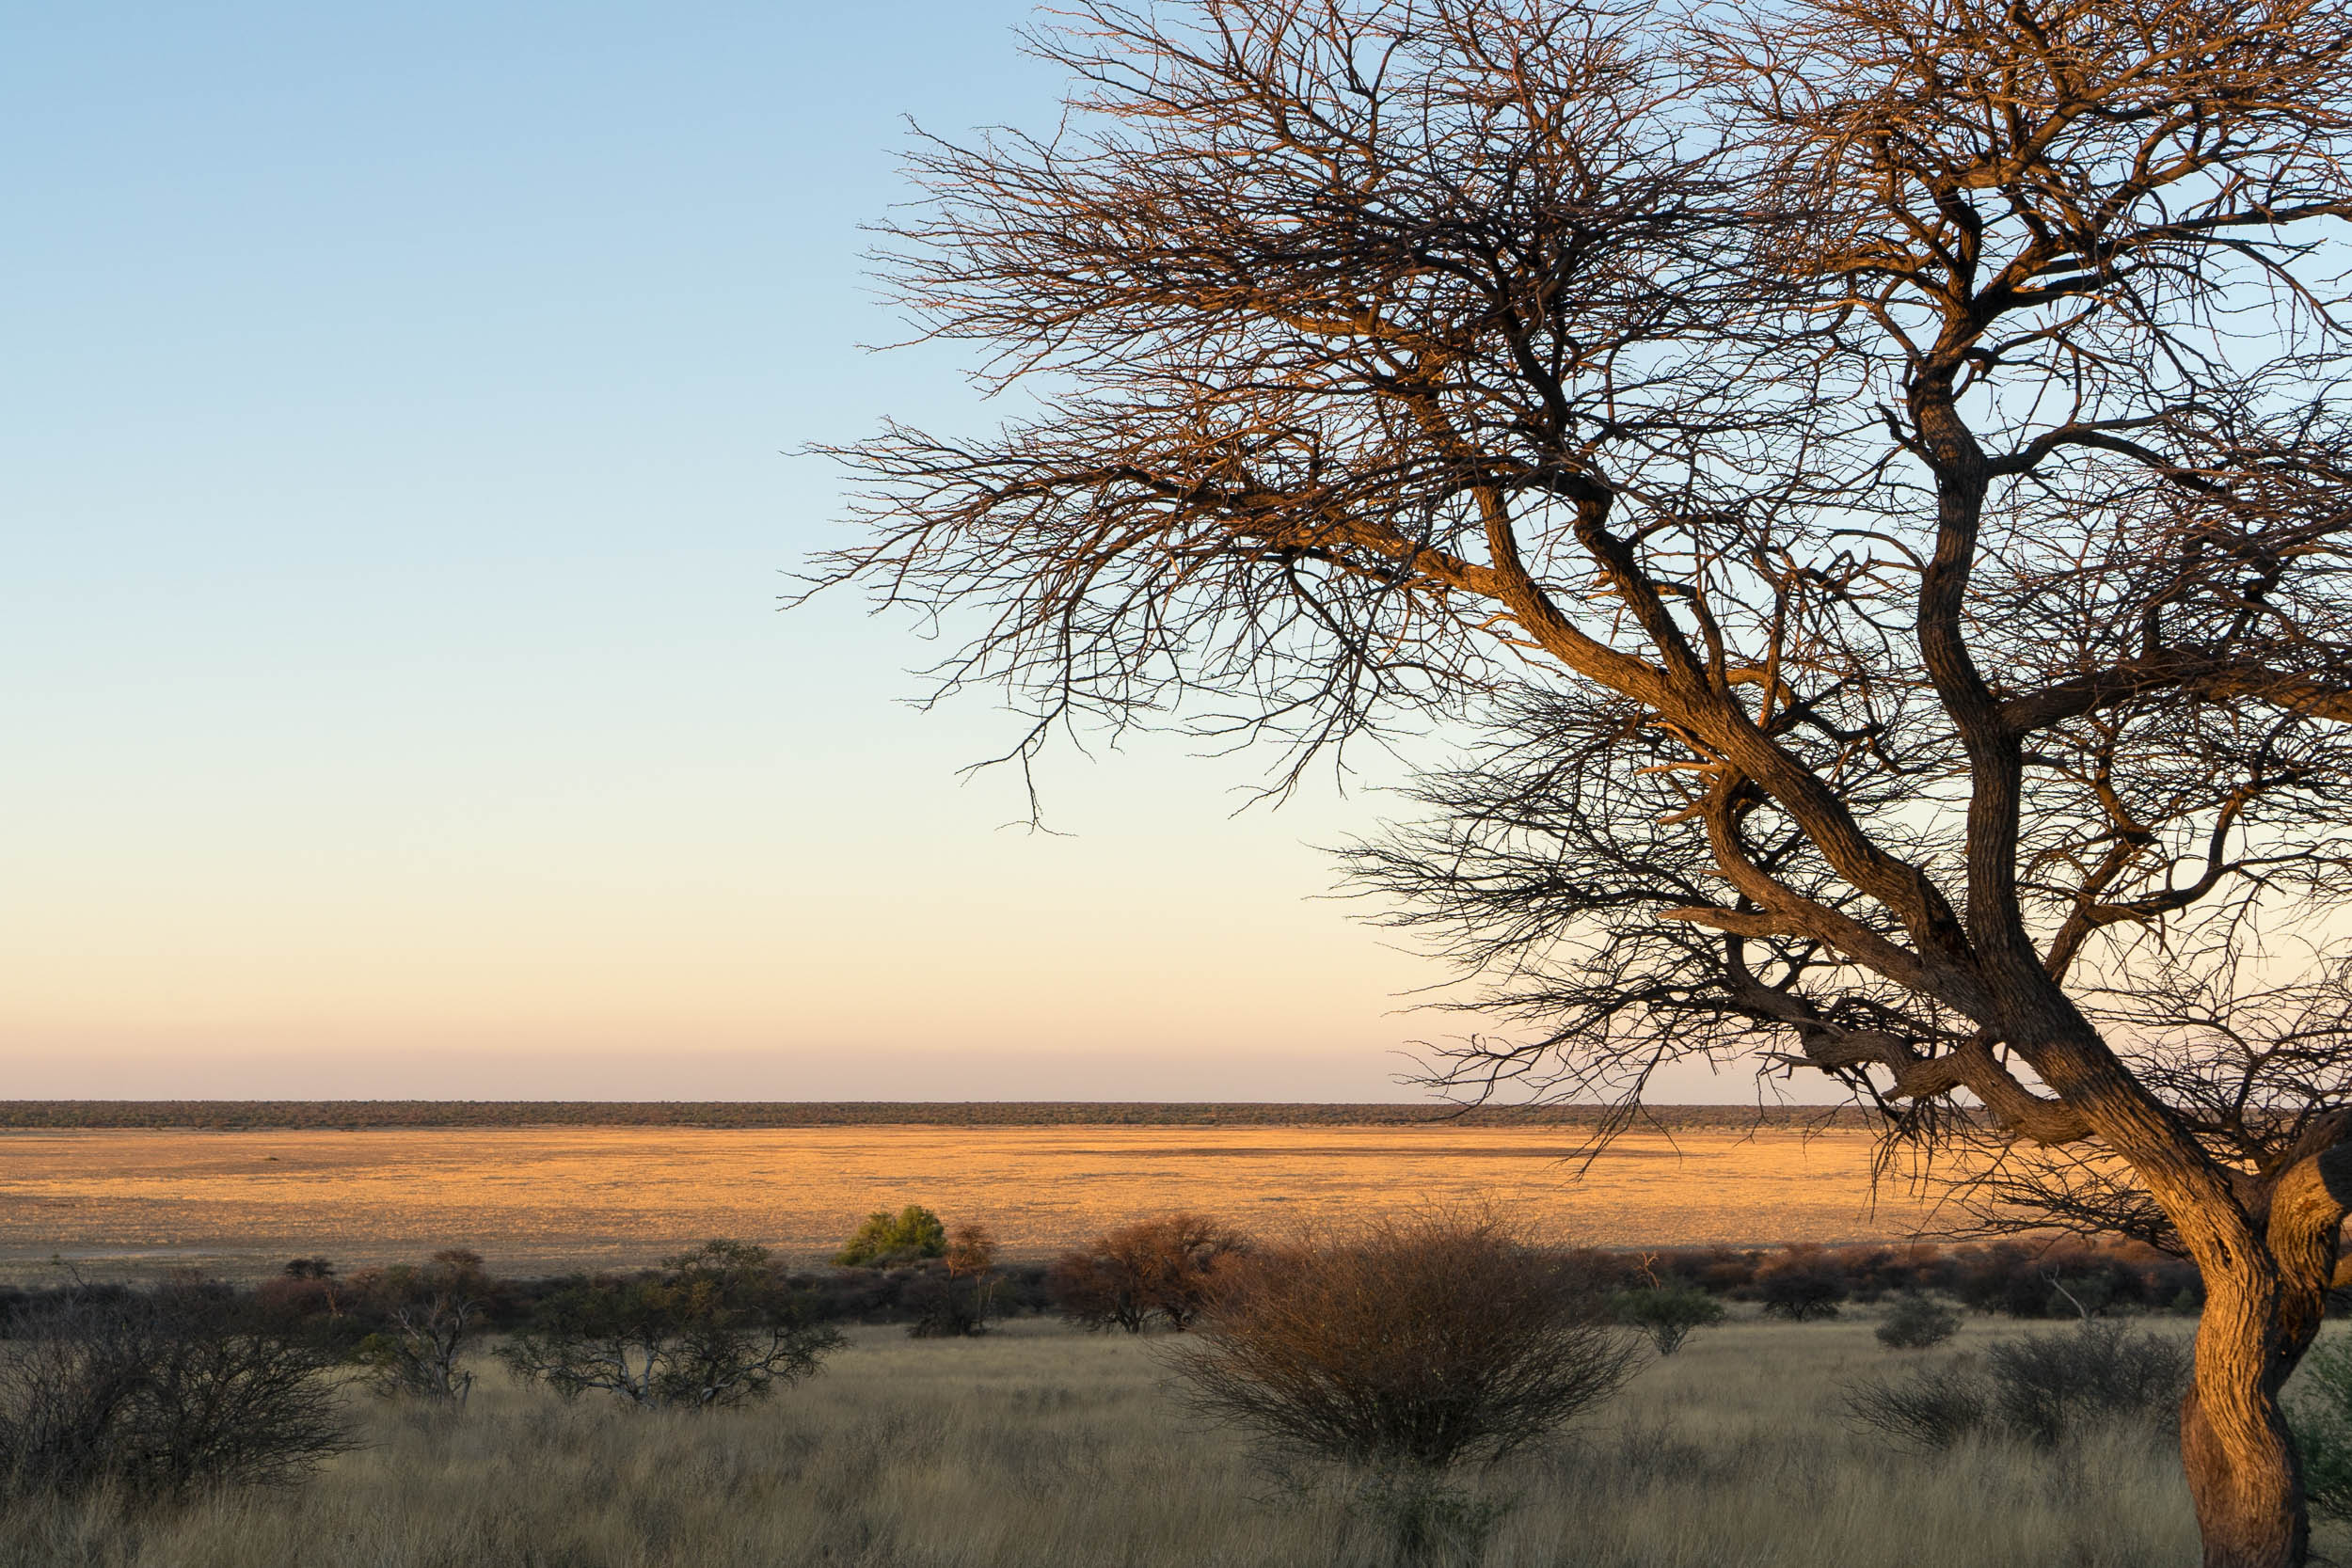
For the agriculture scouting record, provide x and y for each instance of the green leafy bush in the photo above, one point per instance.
(911, 1233)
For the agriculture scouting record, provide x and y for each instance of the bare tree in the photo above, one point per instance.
(1875, 465)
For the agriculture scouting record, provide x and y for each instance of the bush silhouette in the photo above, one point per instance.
(1802, 1286)
(912, 1234)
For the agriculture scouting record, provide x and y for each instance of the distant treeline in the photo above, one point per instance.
(348, 1114)
(2047, 1279)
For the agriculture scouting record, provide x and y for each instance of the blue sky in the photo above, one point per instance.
(394, 471)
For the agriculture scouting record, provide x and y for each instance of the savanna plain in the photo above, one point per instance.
(1039, 1444)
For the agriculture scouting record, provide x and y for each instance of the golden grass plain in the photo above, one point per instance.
(537, 1199)
(1037, 1447)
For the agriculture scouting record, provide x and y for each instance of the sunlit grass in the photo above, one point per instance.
(539, 1200)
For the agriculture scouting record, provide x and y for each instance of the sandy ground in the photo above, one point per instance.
(538, 1200)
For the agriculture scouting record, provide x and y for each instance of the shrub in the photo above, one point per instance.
(715, 1327)
(1407, 1343)
(2321, 1415)
(1165, 1268)
(1916, 1321)
(1667, 1313)
(911, 1233)
(956, 1303)
(2039, 1390)
(159, 1393)
(1802, 1286)
(429, 1318)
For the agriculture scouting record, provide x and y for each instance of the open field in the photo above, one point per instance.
(1039, 1448)
(538, 1200)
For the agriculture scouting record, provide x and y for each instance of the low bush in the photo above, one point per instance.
(1916, 1321)
(1411, 1344)
(716, 1327)
(158, 1394)
(1668, 1314)
(2041, 1388)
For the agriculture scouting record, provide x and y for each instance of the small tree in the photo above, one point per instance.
(1669, 1314)
(1165, 1268)
(957, 1302)
(912, 1234)
(1801, 1287)
(430, 1316)
(159, 1393)
(715, 1327)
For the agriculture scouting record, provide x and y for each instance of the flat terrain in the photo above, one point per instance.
(541, 1199)
(1038, 1448)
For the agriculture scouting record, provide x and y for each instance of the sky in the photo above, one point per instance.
(399, 474)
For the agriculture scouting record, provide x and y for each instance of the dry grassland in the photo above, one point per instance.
(543, 1199)
(1043, 1449)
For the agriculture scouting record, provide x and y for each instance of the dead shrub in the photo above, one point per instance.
(1416, 1342)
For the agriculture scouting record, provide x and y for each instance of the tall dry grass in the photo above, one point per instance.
(1040, 1447)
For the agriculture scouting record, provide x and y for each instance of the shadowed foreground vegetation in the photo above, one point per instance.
(1039, 1446)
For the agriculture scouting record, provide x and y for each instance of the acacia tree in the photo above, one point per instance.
(1874, 463)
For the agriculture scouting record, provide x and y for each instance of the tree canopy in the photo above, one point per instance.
(1875, 469)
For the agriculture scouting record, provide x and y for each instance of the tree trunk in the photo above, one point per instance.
(2243, 1473)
